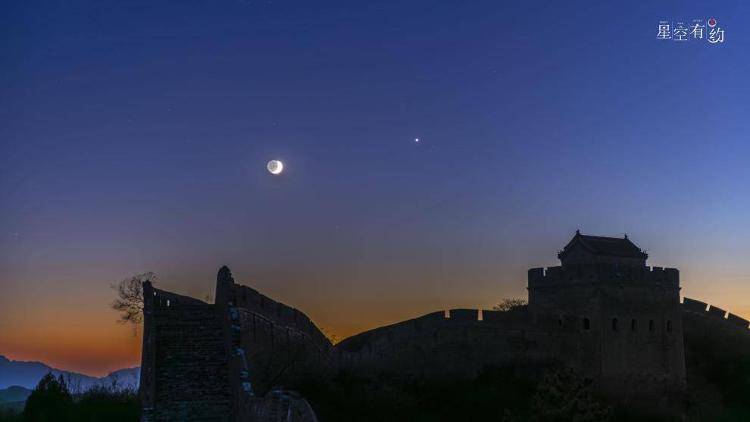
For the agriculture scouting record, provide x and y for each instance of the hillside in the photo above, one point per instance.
(27, 374)
(14, 394)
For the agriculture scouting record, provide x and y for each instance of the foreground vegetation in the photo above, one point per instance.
(496, 394)
(520, 394)
(52, 401)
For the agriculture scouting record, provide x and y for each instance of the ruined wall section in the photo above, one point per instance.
(184, 372)
(278, 314)
(271, 344)
(277, 355)
(217, 362)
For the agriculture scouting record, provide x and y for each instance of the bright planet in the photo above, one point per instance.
(275, 166)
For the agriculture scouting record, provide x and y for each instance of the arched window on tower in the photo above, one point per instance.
(614, 324)
(586, 324)
(651, 325)
(669, 326)
(633, 324)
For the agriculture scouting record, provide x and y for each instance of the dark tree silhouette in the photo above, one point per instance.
(50, 401)
(108, 403)
(129, 301)
(507, 304)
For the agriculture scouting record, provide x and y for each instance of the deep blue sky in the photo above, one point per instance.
(134, 137)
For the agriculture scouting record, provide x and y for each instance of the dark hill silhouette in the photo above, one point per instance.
(28, 374)
(14, 394)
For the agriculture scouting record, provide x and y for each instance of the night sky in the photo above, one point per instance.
(134, 137)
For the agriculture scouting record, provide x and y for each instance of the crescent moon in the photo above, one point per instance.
(275, 167)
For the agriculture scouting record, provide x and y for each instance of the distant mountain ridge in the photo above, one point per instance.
(14, 394)
(28, 374)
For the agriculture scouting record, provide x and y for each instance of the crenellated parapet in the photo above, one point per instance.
(602, 273)
(447, 319)
(462, 341)
(439, 327)
(157, 298)
(737, 320)
(717, 314)
(475, 325)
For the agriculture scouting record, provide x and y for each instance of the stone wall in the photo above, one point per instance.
(278, 314)
(224, 361)
(184, 375)
(459, 343)
(717, 349)
(271, 344)
(726, 319)
(634, 311)
(203, 362)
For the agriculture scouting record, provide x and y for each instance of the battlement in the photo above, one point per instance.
(517, 319)
(463, 314)
(157, 298)
(702, 308)
(601, 273)
(405, 331)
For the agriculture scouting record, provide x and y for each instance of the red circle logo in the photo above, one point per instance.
(712, 22)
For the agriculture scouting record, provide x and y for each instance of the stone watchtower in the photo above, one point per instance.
(628, 315)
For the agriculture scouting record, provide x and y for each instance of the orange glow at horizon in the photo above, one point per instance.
(76, 340)
(88, 339)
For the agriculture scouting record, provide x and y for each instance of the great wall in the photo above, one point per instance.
(621, 324)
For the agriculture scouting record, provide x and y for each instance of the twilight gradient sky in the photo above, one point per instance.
(134, 137)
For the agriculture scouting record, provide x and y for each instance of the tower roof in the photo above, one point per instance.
(604, 246)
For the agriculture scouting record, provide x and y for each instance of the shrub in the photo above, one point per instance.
(50, 401)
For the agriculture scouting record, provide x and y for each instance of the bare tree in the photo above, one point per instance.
(509, 303)
(129, 301)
